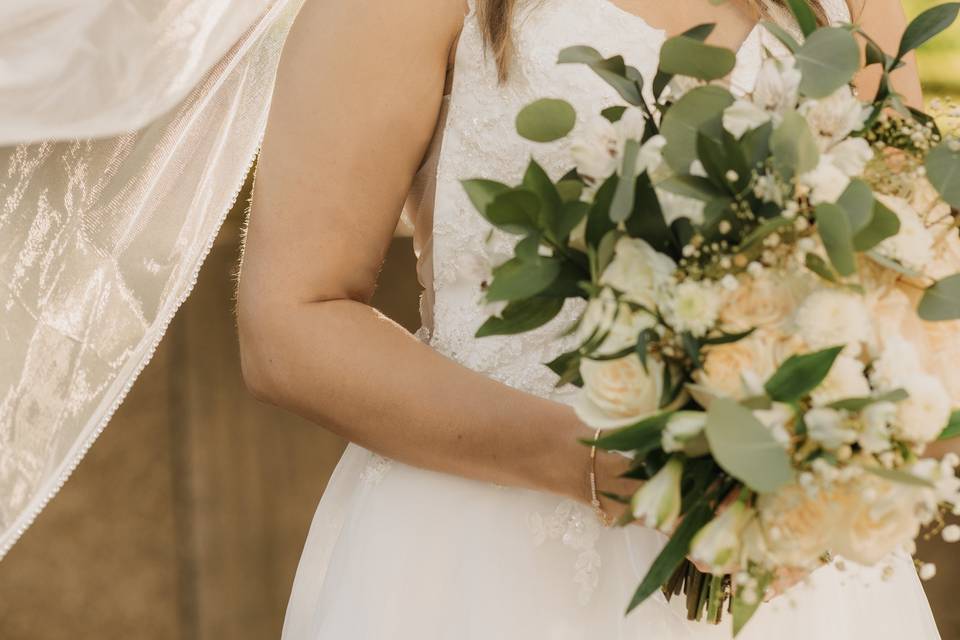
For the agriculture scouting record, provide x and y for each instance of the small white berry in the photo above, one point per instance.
(927, 570)
(731, 175)
(951, 533)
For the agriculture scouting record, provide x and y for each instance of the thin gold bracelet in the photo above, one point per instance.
(605, 518)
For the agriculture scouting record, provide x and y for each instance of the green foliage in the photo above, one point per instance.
(800, 374)
(927, 25)
(952, 430)
(793, 146)
(833, 225)
(520, 316)
(943, 171)
(686, 56)
(941, 300)
(827, 59)
(699, 110)
(546, 120)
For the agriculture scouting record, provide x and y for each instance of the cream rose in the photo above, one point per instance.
(845, 380)
(638, 270)
(833, 317)
(925, 413)
(618, 392)
(797, 526)
(729, 369)
(762, 302)
(873, 528)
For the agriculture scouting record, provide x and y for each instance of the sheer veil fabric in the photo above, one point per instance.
(101, 238)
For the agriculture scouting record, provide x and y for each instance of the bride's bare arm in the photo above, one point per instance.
(356, 103)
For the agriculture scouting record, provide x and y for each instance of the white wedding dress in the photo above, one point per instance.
(400, 553)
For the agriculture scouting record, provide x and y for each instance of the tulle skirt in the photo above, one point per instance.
(400, 553)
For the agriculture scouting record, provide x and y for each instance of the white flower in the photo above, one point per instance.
(851, 155)
(925, 413)
(682, 427)
(605, 314)
(595, 149)
(845, 380)
(679, 85)
(693, 307)
(742, 116)
(630, 126)
(717, 544)
(833, 118)
(829, 427)
(776, 418)
(618, 392)
(876, 419)
(897, 361)
(638, 270)
(912, 246)
(650, 158)
(657, 503)
(674, 206)
(826, 181)
(833, 317)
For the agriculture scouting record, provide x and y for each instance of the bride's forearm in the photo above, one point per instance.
(344, 365)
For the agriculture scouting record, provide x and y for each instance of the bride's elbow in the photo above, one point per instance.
(258, 358)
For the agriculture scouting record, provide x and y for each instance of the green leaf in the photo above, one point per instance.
(482, 192)
(520, 316)
(727, 338)
(805, 16)
(535, 179)
(622, 203)
(699, 109)
(952, 430)
(801, 374)
(756, 144)
(515, 211)
(673, 553)
(567, 367)
(621, 77)
(858, 404)
(883, 224)
(613, 114)
(686, 56)
(643, 436)
(857, 201)
(570, 189)
(579, 54)
(817, 264)
(516, 278)
(692, 348)
(647, 221)
(941, 300)
(833, 225)
(691, 186)
(895, 475)
(570, 215)
(893, 265)
(827, 60)
(782, 35)
(598, 218)
(927, 25)
(546, 120)
(943, 171)
(745, 448)
(742, 610)
(793, 146)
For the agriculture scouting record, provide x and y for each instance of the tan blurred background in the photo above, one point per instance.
(186, 520)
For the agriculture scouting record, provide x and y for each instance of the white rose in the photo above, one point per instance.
(727, 368)
(638, 270)
(762, 302)
(618, 392)
(835, 117)
(851, 156)
(595, 148)
(605, 314)
(925, 413)
(897, 362)
(657, 503)
(829, 427)
(692, 306)
(717, 545)
(833, 317)
(879, 517)
(826, 181)
(846, 379)
(797, 525)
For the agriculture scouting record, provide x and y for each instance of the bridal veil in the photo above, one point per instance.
(129, 126)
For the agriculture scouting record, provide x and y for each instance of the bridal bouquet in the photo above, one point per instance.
(771, 322)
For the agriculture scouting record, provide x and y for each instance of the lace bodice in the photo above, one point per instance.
(478, 139)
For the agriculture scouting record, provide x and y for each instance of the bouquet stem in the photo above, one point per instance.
(707, 595)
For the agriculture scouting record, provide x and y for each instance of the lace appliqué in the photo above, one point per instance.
(575, 527)
(377, 467)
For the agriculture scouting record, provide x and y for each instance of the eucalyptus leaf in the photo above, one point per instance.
(793, 146)
(570, 189)
(647, 221)
(482, 192)
(569, 216)
(883, 224)
(858, 404)
(820, 267)
(613, 114)
(827, 59)
(579, 54)
(546, 120)
(782, 35)
(857, 201)
(801, 374)
(622, 203)
(893, 265)
(943, 170)
(745, 448)
(927, 25)
(691, 186)
(567, 368)
(699, 109)
(598, 218)
(686, 56)
(520, 316)
(941, 300)
(833, 225)
(515, 211)
(896, 475)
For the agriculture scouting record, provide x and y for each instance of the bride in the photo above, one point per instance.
(462, 508)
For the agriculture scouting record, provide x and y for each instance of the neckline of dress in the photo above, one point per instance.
(613, 7)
